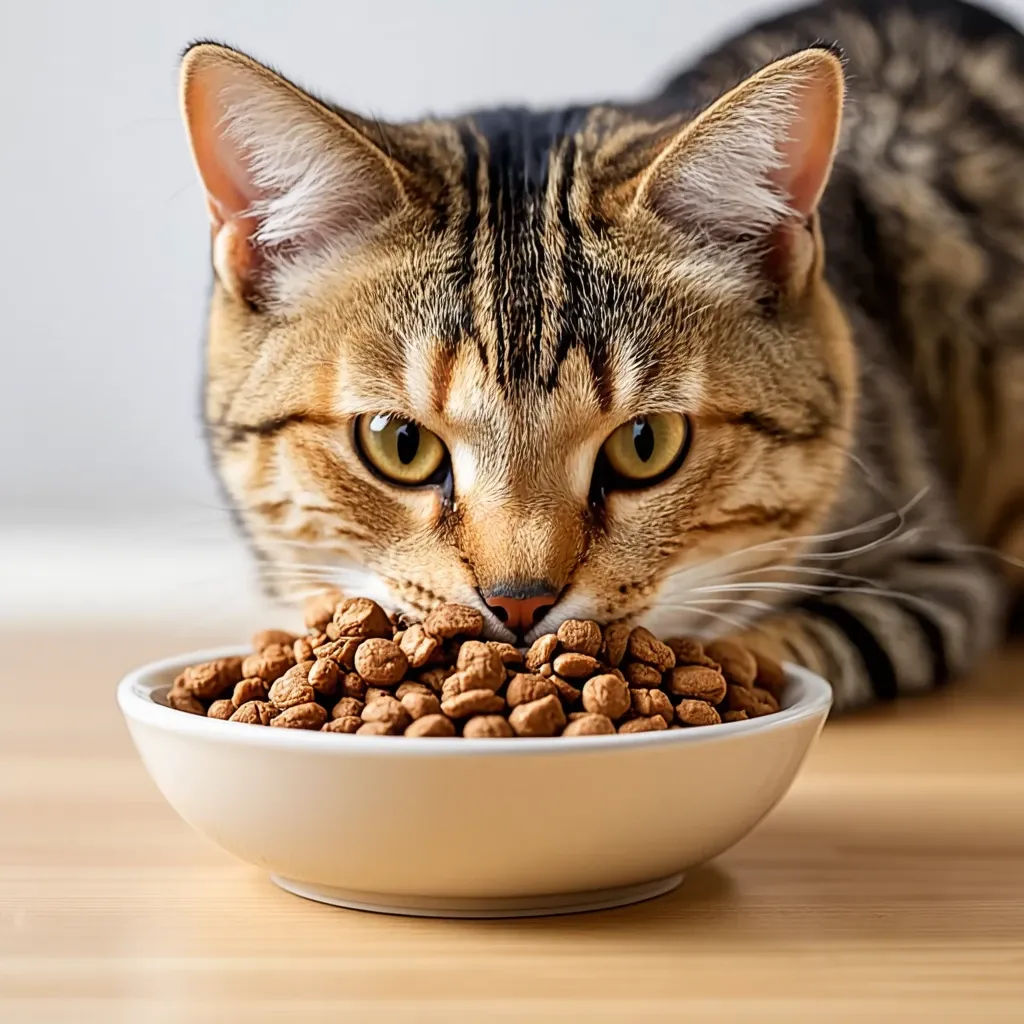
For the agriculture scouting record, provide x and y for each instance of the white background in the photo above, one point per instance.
(103, 259)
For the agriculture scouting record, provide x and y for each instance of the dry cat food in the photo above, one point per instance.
(359, 671)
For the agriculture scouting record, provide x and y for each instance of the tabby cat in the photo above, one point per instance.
(745, 358)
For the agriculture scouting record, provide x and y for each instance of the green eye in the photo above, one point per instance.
(647, 447)
(399, 449)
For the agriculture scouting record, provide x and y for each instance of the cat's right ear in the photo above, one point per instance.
(287, 179)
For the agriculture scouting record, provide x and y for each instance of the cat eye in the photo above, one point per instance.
(400, 450)
(647, 448)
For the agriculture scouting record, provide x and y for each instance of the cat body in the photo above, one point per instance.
(744, 357)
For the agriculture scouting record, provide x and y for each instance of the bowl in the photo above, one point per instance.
(470, 828)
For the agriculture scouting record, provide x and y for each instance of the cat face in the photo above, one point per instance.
(575, 365)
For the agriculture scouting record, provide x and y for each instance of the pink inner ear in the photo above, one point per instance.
(808, 147)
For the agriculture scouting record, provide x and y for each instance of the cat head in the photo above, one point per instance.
(560, 365)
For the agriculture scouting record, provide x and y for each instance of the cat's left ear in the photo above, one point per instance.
(754, 165)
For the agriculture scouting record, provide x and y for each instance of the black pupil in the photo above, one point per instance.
(407, 440)
(643, 439)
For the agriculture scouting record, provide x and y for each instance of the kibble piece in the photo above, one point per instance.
(690, 652)
(247, 690)
(376, 693)
(526, 687)
(765, 698)
(353, 685)
(290, 691)
(606, 695)
(575, 666)
(256, 712)
(388, 710)
(417, 645)
(431, 725)
(301, 716)
(472, 702)
(266, 637)
(543, 717)
(741, 698)
(324, 676)
(449, 620)
(223, 709)
(381, 661)
(376, 729)
(580, 636)
(697, 682)
(319, 609)
(545, 670)
(655, 723)
(302, 649)
(541, 651)
(212, 678)
(182, 700)
(589, 725)
(360, 617)
(738, 664)
(509, 654)
(735, 716)
(270, 664)
(645, 703)
(341, 651)
(419, 705)
(644, 646)
(640, 674)
(434, 678)
(479, 661)
(347, 707)
(487, 727)
(616, 638)
(346, 724)
(567, 693)
(771, 676)
(404, 688)
(696, 712)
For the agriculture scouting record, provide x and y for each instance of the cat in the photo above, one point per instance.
(745, 358)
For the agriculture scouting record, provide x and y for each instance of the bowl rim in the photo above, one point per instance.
(135, 697)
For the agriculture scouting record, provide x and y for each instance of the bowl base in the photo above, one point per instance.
(517, 906)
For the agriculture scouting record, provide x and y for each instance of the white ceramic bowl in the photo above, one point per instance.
(470, 828)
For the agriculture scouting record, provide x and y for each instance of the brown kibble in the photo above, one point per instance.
(434, 678)
(644, 646)
(419, 705)
(291, 690)
(247, 690)
(580, 636)
(182, 700)
(270, 664)
(302, 649)
(487, 727)
(616, 639)
(543, 717)
(431, 725)
(645, 703)
(472, 702)
(376, 693)
(360, 617)
(525, 687)
(319, 609)
(740, 698)
(642, 675)
(589, 725)
(211, 679)
(738, 664)
(404, 688)
(771, 676)
(697, 682)
(347, 724)
(509, 654)
(575, 666)
(546, 670)
(301, 716)
(376, 729)
(567, 693)
(480, 662)
(353, 685)
(347, 707)
(265, 637)
(765, 698)
(696, 712)
(381, 661)
(690, 652)
(735, 716)
(222, 709)
(341, 651)
(541, 651)
(449, 620)
(388, 710)
(606, 695)
(324, 676)
(417, 645)
(655, 723)
(256, 712)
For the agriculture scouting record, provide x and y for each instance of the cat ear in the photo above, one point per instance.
(759, 158)
(284, 175)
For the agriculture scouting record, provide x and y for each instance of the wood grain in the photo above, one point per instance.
(888, 885)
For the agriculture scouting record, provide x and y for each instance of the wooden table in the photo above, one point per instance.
(888, 885)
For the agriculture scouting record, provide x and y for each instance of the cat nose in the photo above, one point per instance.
(521, 606)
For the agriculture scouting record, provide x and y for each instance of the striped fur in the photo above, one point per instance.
(521, 283)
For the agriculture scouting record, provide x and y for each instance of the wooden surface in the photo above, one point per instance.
(889, 885)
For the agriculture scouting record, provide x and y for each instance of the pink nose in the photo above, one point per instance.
(520, 614)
